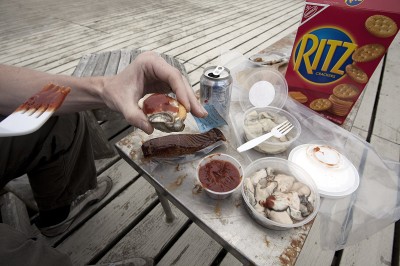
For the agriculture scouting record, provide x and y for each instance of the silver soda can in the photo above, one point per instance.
(216, 89)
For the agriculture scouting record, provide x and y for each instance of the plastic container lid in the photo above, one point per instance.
(334, 175)
(266, 87)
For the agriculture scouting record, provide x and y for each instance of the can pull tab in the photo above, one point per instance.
(217, 71)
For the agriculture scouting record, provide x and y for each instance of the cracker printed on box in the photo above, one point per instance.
(320, 104)
(381, 26)
(368, 52)
(298, 96)
(345, 91)
(356, 74)
(340, 107)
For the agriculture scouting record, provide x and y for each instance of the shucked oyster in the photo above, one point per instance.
(279, 197)
(164, 113)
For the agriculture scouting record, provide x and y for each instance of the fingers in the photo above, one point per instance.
(135, 116)
(178, 84)
(196, 108)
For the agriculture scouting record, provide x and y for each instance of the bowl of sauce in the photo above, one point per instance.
(220, 175)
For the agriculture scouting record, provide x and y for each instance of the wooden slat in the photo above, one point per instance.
(78, 72)
(113, 62)
(101, 64)
(111, 221)
(13, 212)
(230, 260)
(149, 238)
(122, 175)
(195, 247)
(219, 24)
(377, 249)
(124, 60)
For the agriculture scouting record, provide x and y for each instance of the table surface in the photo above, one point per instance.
(227, 221)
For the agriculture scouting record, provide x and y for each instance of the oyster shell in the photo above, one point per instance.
(164, 112)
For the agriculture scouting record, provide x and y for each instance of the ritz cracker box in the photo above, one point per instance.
(337, 48)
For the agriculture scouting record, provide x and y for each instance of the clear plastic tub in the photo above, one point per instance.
(280, 166)
(272, 145)
(266, 87)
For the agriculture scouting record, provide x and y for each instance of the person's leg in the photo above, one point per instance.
(58, 159)
(64, 168)
(17, 249)
(60, 165)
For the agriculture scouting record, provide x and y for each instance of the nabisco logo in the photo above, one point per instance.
(309, 11)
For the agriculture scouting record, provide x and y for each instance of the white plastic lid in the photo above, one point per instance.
(262, 93)
(265, 87)
(334, 175)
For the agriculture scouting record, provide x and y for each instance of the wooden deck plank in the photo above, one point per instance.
(211, 49)
(377, 249)
(103, 228)
(33, 40)
(222, 24)
(149, 238)
(112, 66)
(230, 260)
(141, 31)
(194, 248)
(122, 175)
(238, 33)
(65, 37)
(58, 62)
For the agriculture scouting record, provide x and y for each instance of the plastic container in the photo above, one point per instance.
(222, 157)
(280, 166)
(334, 175)
(272, 145)
(266, 87)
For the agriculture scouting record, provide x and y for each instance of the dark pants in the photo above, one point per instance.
(58, 160)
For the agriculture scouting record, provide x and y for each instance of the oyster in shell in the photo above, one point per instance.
(164, 112)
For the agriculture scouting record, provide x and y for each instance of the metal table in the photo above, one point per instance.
(227, 221)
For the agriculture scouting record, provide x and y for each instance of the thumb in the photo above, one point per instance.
(135, 116)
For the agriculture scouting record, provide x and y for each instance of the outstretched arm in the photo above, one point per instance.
(148, 73)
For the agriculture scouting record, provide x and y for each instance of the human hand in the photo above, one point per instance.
(149, 73)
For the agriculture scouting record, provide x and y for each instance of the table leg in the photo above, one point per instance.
(169, 215)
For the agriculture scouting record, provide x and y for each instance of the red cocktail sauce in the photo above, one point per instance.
(219, 176)
(158, 103)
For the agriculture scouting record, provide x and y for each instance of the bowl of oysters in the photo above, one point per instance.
(279, 194)
(258, 121)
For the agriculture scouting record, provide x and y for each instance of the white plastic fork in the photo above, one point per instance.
(278, 132)
(32, 114)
